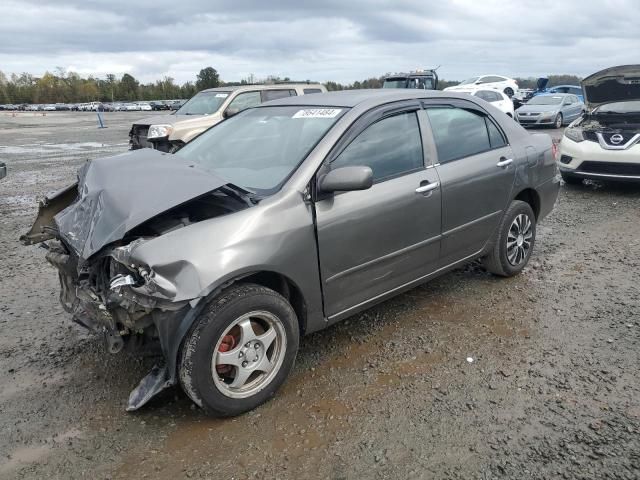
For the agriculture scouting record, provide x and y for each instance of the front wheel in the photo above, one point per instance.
(558, 121)
(513, 244)
(239, 351)
(508, 92)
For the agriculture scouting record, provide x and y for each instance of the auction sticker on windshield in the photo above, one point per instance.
(222, 95)
(317, 113)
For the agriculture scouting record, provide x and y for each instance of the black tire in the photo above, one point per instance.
(202, 340)
(557, 123)
(497, 260)
(571, 179)
(508, 92)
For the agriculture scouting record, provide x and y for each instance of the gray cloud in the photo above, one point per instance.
(337, 40)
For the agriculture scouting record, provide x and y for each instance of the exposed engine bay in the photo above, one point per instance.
(611, 130)
(90, 234)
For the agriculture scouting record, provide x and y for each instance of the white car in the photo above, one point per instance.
(145, 107)
(498, 82)
(498, 99)
(604, 144)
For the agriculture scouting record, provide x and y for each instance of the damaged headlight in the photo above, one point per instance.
(159, 131)
(574, 133)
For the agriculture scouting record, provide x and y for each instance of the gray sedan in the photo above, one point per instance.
(285, 219)
(554, 110)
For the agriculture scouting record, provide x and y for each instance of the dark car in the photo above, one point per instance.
(420, 79)
(284, 219)
(159, 105)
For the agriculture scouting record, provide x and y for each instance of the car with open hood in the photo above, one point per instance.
(551, 110)
(605, 143)
(168, 133)
(285, 219)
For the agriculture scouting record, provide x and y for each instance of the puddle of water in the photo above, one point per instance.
(40, 148)
(31, 454)
(28, 379)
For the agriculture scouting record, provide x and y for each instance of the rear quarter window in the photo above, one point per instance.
(460, 133)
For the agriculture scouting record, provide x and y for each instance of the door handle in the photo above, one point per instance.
(504, 162)
(428, 187)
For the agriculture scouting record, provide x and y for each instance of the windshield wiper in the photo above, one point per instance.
(247, 196)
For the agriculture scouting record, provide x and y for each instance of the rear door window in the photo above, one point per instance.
(390, 147)
(484, 95)
(275, 94)
(460, 133)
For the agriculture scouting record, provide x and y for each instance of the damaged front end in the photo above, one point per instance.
(92, 230)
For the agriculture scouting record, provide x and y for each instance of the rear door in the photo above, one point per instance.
(373, 241)
(476, 170)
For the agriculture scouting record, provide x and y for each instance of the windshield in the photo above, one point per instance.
(204, 103)
(394, 83)
(545, 100)
(620, 107)
(258, 149)
(469, 80)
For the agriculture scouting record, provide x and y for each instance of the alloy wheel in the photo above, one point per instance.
(519, 239)
(248, 354)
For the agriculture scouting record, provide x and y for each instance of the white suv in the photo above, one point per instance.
(604, 144)
(505, 84)
(168, 133)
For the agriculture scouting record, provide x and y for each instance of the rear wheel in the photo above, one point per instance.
(508, 92)
(239, 351)
(513, 244)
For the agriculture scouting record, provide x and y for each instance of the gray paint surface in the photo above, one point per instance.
(116, 194)
(342, 253)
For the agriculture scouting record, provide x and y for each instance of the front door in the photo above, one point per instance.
(373, 241)
(476, 170)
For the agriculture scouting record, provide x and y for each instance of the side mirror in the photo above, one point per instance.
(230, 112)
(345, 179)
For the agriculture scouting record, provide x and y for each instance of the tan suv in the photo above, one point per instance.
(168, 133)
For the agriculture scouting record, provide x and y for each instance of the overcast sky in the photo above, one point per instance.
(328, 40)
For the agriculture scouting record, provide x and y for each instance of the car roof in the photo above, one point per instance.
(352, 98)
(559, 94)
(262, 87)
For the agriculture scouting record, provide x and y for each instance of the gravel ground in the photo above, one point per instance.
(552, 391)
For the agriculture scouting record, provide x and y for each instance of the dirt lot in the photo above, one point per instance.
(553, 390)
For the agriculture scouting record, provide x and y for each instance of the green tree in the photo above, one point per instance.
(207, 78)
(128, 88)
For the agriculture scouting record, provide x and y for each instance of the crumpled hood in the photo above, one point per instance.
(116, 194)
(166, 119)
(615, 84)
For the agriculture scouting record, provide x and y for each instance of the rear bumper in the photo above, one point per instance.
(548, 193)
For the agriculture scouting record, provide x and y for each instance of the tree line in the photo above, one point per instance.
(69, 87)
